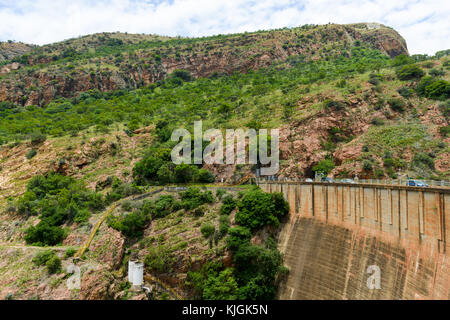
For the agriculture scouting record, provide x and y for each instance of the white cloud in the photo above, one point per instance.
(424, 24)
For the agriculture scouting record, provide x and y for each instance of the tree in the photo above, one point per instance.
(401, 59)
(258, 209)
(165, 173)
(409, 72)
(324, 166)
(37, 137)
(184, 173)
(439, 89)
(205, 176)
(182, 74)
(221, 287)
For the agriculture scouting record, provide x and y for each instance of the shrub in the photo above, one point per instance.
(439, 89)
(58, 199)
(388, 162)
(44, 234)
(221, 287)
(30, 154)
(205, 176)
(207, 229)
(331, 104)
(324, 166)
(159, 259)
(256, 271)
(147, 169)
(69, 253)
(82, 215)
(436, 72)
(224, 225)
(37, 137)
(257, 209)
(396, 104)
(378, 172)
(49, 259)
(193, 197)
(220, 193)
(405, 92)
(228, 205)
(444, 130)
(409, 72)
(377, 121)
(165, 173)
(423, 83)
(367, 166)
(375, 78)
(53, 265)
(237, 237)
(131, 225)
(184, 173)
(182, 74)
(422, 160)
(163, 206)
(401, 59)
(199, 212)
(41, 257)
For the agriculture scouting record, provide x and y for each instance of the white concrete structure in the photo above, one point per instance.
(130, 271)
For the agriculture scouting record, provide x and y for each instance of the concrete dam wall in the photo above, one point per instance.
(346, 241)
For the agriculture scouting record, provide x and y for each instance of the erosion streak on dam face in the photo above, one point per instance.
(335, 232)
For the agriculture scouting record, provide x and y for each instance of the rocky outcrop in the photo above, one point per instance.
(10, 50)
(222, 55)
(98, 285)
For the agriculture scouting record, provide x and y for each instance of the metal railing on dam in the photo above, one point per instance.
(411, 213)
(338, 233)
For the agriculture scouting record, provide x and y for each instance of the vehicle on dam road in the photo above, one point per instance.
(416, 183)
(348, 181)
(327, 179)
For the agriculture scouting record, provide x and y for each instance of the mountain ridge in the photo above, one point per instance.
(111, 61)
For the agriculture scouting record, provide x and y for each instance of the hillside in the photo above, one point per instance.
(10, 50)
(85, 125)
(112, 61)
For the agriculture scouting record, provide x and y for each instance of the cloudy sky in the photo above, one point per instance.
(425, 24)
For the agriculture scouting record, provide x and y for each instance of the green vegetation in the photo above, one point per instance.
(157, 167)
(257, 209)
(49, 259)
(179, 103)
(57, 200)
(409, 72)
(130, 224)
(228, 205)
(207, 230)
(434, 88)
(30, 154)
(324, 166)
(257, 268)
(194, 197)
(159, 259)
(69, 253)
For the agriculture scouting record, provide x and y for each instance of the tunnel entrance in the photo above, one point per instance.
(309, 173)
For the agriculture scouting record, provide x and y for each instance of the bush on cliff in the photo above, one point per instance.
(58, 200)
(258, 209)
(409, 72)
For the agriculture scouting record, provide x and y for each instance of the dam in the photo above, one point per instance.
(348, 241)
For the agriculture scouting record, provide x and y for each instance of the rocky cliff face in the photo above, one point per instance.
(108, 62)
(10, 50)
